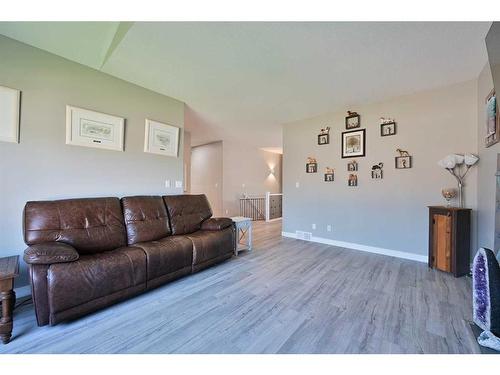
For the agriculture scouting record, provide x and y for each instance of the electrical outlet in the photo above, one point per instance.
(178, 184)
(328, 228)
(227, 212)
(243, 186)
(297, 184)
(314, 226)
(167, 184)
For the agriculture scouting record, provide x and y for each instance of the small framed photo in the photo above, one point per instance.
(10, 100)
(329, 174)
(403, 162)
(94, 129)
(352, 120)
(492, 120)
(323, 139)
(377, 172)
(353, 143)
(161, 139)
(388, 129)
(324, 136)
(352, 166)
(352, 180)
(311, 167)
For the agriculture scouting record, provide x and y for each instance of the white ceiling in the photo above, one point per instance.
(243, 80)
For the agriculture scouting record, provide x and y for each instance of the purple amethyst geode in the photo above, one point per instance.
(486, 291)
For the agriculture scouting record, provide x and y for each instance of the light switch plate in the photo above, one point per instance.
(167, 183)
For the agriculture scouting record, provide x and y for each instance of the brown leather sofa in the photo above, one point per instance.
(86, 254)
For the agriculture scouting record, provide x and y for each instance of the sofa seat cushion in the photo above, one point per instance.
(167, 255)
(94, 276)
(209, 245)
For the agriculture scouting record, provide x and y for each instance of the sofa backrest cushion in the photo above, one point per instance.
(187, 212)
(146, 218)
(90, 225)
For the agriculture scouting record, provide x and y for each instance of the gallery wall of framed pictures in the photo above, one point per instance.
(89, 128)
(353, 144)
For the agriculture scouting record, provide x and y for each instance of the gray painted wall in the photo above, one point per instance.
(487, 167)
(42, 166)
(389, 213)
(206, 173)
(247, 171)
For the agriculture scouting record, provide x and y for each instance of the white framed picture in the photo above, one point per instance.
(10, 100)
(161, 139)
(94, 129)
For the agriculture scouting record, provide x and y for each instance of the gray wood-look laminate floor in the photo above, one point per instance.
(287, 296)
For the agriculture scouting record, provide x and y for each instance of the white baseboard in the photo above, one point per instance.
(23, 291)
(366, 248)
(271, 220)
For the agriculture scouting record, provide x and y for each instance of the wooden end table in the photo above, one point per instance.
(9, 270)
(243, 233)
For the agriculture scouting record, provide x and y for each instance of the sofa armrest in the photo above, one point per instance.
(216, 223)
(50, 253)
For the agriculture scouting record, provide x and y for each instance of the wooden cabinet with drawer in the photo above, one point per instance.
(449, 239)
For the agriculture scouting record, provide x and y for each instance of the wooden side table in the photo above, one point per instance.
(449, 239)
(243, 233)
(9, 270)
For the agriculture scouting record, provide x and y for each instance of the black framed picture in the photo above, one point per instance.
(388, 129)
(329, 174)
(323, 139)
(352, 166)
(352, 180)
(353, 143)
(352, 120)
(323, 136)
(311, 167)
(403, 162)
(377, 172)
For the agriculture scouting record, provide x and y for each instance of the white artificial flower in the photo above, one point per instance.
(448, 162)
(459, 159)
(471, 159)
